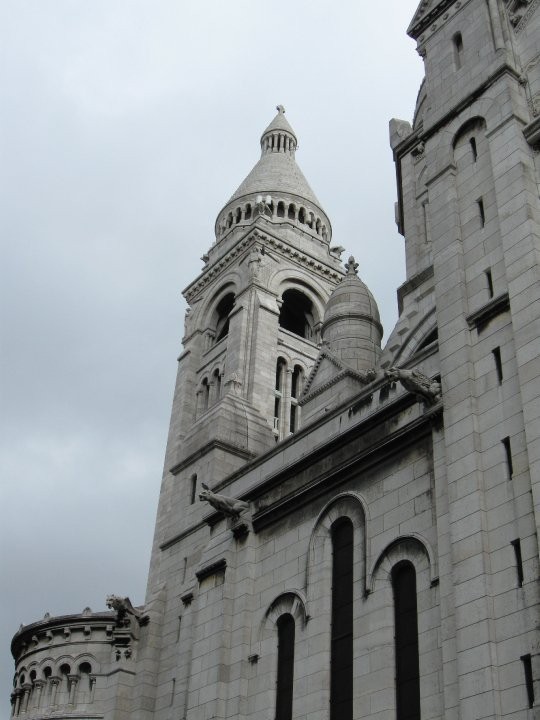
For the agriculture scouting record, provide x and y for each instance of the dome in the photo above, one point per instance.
(352, 327)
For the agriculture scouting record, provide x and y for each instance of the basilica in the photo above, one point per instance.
(348, 530)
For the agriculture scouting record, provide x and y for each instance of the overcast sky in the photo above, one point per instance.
(125, 127)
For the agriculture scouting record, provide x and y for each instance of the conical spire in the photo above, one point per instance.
(276, 189)
(277, 170)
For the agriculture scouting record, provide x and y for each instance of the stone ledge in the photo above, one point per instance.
(481, 317)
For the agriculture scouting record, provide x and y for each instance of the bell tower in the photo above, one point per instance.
(252, 329)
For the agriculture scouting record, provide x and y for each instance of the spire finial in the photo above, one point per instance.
(280, 109)
(351, 266)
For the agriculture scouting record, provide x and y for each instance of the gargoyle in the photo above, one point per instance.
(414, 381)
(232, 507)
(123, 608)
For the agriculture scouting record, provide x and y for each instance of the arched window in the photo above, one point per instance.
(285, 667)
(247, 214)
(205, 394)
(223, 310)
(281, 209)
(229, 220)
(296, 313)
(297, 381)
(406, 641)
(217, 381)
(302, 215)
(281, 367)
(341, 672)
(291, 212)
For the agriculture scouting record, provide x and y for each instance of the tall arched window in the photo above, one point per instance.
(296, 313)
(281, 367)
(205, 389)
(285, 667)
(223, 310)
(296, 389)
(341, 672)
(406, 641)
(217, 381)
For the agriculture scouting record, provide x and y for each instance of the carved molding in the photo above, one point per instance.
(297, 255)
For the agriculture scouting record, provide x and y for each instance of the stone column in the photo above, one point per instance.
(38, 686)
(55, 683)
(17, 695)
(92, 680)
(27, 689)
(72, 684)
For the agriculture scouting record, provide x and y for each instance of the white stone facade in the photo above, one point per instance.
(426, 451)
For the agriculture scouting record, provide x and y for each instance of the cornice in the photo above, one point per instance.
(418, 26)
(299, 256)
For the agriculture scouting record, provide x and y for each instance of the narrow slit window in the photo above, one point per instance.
(489, 279)
(406, 641)
(498, 363)
(508, 454)
(178, 629)
(481, 211)
(516, 544)
(193, 489)
(285, 667)
(458, 50)
(474, 149)
(173, 687)
(527, 669)
(341, 661)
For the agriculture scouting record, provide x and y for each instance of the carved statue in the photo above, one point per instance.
(232, 507)
(124, 608)
(416, 382)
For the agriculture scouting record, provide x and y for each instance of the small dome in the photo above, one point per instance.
(352, 327)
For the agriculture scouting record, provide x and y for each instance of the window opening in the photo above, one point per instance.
(247, 214)
(285, 667)
(281, 209)
(458, 50)
(474, 149)
(223, 311)
(296, 313)
(498, 363)
(291, 212)
(302, 216)
(281, 366)
(516, 544)
(296, 389)
(508, 453)
(489, 279)
(481, 211)
(527, 669)
(193, 489)
(406, 642)
(341, 673)
(217, 380)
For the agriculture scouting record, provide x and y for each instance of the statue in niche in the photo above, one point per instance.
(416, 382)
(124, 609)
(231, 507)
